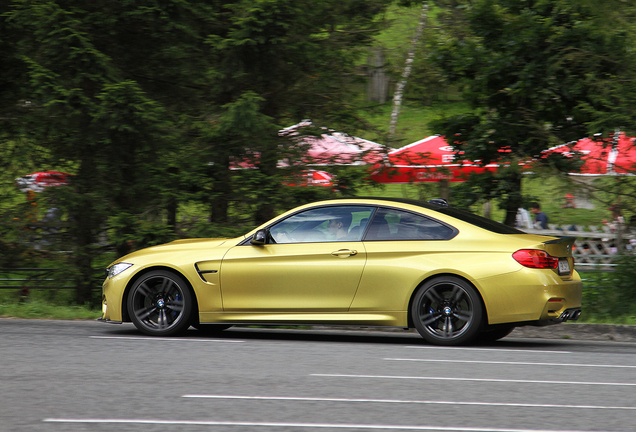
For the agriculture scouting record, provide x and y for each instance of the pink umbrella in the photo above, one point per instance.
(611, 157)
(429, 160)
(333, 148)
(38, 181)
(330, 148)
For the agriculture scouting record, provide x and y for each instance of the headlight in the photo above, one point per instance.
(114, 270)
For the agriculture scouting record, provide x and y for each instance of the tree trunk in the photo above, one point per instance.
(444, 190)
(222, 190)
(399, 90)
(266, 208)
(84, 236)
(514, 198)
(378, 80)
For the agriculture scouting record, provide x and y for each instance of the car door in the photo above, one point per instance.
(401, 246)
(312, 262)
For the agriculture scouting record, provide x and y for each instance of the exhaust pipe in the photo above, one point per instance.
(570, 315)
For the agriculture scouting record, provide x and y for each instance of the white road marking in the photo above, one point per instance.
(299, 425)
(512, 363)
(155, 338)
(489, 349)
(493, 380)
(398, 401)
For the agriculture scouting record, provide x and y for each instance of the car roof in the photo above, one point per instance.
(414, 202)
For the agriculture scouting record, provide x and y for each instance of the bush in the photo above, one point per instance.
(611, 297)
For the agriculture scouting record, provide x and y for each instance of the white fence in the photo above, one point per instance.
(595, 248)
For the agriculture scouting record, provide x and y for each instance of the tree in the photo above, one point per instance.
(531, 72)
(88, 116)
(145, 102)
(292, 60)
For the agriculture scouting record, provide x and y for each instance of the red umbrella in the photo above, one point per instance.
(311, 178)
(610, 157)
(429, 160)
(36, 182)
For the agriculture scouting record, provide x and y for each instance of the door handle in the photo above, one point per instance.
(344, 253)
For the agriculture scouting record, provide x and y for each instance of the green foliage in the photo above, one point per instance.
(150, 105)
(611, 297)
(532, 73)
(130, 232)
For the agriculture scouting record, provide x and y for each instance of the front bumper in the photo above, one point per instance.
(108, 321)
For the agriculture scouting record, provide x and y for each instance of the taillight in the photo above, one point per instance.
(534, 258)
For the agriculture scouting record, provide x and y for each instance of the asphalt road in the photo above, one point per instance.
(89, 376)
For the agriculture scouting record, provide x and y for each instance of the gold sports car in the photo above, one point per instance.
(454, 276)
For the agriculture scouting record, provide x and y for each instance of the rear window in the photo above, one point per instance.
(480, 221)
(394, 224)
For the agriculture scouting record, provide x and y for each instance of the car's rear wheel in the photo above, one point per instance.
(447, 310)
(160, 304)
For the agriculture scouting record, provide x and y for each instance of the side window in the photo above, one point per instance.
(393, 224)
(325, 224)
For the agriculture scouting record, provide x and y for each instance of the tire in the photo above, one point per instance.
(494, 334)
(447, 310)
(211, 328)
(160, 304)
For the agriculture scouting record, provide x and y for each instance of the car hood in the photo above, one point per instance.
(185, 245)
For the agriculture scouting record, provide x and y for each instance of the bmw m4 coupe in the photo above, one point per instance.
(454, 276)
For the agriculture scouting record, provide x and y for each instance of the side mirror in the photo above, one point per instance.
(259, 238)
(439, 201)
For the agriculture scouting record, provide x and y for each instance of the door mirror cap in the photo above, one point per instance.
(260, 237)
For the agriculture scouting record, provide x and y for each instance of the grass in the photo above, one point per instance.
(413, 121)
(37, 306)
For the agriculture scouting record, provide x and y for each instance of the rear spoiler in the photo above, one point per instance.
(560, 240)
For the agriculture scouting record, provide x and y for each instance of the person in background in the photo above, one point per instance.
(523, 219)
(616, 224)
(569, 201)
(540, 218)
(617, 218)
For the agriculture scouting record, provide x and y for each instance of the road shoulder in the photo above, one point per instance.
(605, 332)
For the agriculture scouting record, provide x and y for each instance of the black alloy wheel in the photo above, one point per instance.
(160, 304)
(447, 310)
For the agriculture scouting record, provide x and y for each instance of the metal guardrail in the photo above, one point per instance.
(31, 278)
(596, 249)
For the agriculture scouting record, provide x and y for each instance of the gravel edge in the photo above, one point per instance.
(604, 332)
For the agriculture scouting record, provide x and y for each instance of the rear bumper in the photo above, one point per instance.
(532, 296)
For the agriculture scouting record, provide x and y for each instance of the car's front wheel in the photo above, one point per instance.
(160, 304)
(447, 310)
